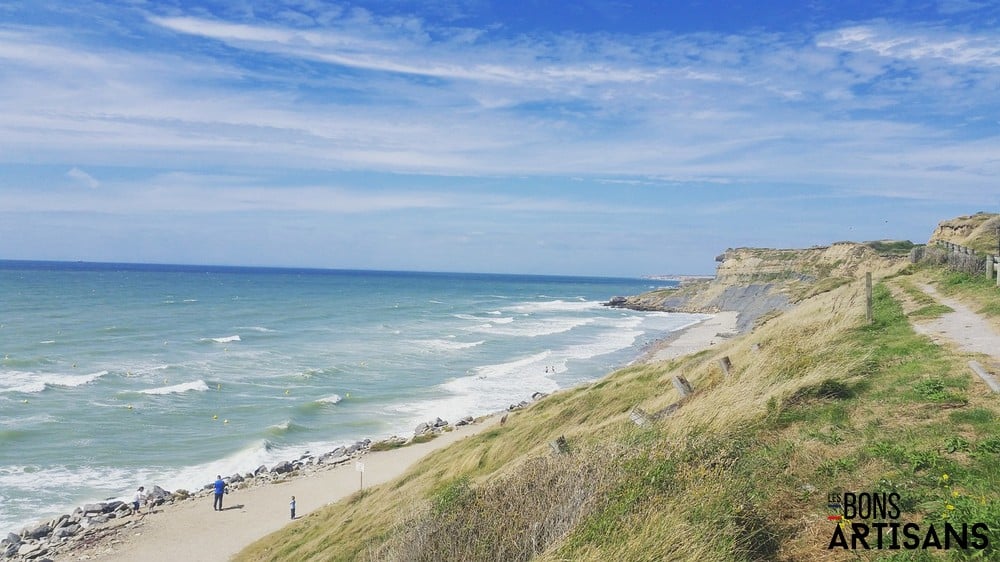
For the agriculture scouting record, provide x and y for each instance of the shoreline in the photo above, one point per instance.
(187, 529)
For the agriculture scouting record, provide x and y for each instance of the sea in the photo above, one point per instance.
(119, 375)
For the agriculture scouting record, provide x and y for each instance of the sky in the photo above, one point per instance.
(594, 137)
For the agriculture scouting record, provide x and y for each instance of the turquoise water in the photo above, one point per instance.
(114, 376)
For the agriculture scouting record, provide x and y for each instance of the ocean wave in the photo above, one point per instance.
(332, 399)
(534, 328)
(447, 344)
(260, 329)
(198, 385)
(29, 382)
(555, 306)
(280, 429)
(227, 339)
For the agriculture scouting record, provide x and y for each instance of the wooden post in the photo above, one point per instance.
(726, 365)
(868, 297)
(682, 385)
(989, 379)
(639, 417)
(989, 266)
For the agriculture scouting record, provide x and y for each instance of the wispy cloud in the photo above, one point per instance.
(83, 178)
(878, 103)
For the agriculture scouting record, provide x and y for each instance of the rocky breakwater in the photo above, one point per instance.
(100, 525)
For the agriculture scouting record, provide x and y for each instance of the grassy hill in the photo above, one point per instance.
(818, 401)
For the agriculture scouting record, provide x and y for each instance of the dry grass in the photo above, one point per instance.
(739, 472)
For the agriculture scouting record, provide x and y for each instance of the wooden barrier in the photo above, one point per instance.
(682, 385)
(989, 379)
(726, 365)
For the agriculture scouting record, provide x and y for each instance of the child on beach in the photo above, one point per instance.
(292, 506)
(137, 499)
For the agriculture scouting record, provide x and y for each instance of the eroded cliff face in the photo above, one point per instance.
(757, 282)
(748, 265)
(978, 231)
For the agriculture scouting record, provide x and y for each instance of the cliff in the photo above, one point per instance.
(758, 282)
(978, 231)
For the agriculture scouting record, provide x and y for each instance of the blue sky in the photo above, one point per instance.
(589, 137)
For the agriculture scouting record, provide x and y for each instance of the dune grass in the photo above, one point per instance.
(818, 401)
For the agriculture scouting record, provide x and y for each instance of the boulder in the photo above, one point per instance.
(30, 550)
(423, 428)
(93, 508)
(538, 395)
(38, 532)
(111, 506)
(282, 467)
(13, 538)
(260, 470)
(67, 531)
(97, 519)
(235, 479)
(440, 422)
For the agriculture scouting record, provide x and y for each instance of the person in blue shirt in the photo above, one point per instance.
(220, 488)
(291, 505)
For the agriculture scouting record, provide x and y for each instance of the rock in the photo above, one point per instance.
(159, 494)
(260, 470)
(423, 428)
(538, 395)
(235, 479)
(617, 301)
(282, 468)
(111, 506)
(30, 550)
(93, 508)
(13, 538)
(11, 550)
(97, 519)
(440, 422)
(64, 532)
(40, 531)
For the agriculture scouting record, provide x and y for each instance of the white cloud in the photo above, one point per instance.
(83, 178)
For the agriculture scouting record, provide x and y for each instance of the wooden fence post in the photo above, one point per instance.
(682, 385)
(639, 417)
(726, 365)
(989, 379)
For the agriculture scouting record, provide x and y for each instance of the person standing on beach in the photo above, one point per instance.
(140, 495)
(292, 506)
(220, 488)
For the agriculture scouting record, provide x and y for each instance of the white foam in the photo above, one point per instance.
(227, 339)
(447, 344)
(255, 329)
(555, 306)
(534, 328)
(332, 399)
(198, 385)
(28, 382)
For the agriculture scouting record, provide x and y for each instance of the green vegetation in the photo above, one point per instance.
(892, 247)
(818, 402)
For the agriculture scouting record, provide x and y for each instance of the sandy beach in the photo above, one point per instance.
(709, 332)
(192, 530)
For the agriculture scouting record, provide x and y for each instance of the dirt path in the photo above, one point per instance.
(966, 329)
